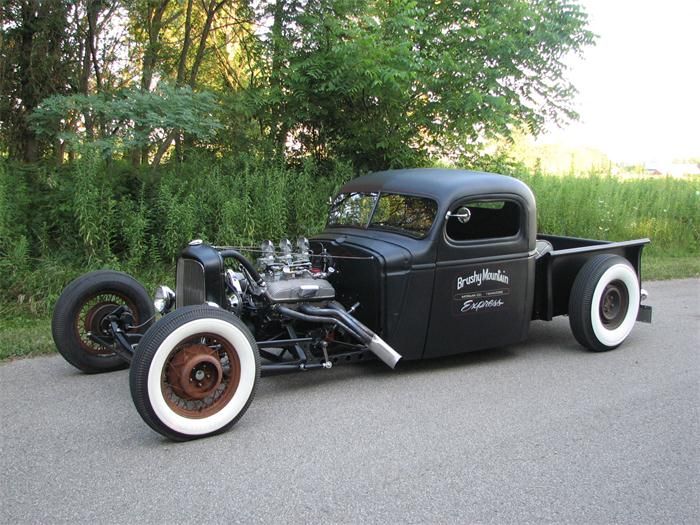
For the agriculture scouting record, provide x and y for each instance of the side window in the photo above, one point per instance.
(483, 220)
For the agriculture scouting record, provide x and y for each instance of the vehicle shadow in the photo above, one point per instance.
(546, 338)
(374, 370)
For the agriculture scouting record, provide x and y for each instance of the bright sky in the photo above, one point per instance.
(639, 87)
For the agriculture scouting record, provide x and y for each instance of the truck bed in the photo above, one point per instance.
(557, 268)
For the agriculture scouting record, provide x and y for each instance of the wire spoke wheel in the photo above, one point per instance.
(93, 318)
(85, 307)
(195, 372)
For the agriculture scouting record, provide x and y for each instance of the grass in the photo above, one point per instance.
(23, 337)
(658, 268)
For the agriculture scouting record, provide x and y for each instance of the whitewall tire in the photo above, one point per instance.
(604, 302)
(194, 373)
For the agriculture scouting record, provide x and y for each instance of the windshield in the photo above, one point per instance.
(352, 209)
(404, 214)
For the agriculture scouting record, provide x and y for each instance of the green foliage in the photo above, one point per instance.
(374, 83)
(602, 207)
(37, 59)
(4, 205)
(94, 209)
(387, 84)
(135, 228)
(128, 119)
(96, 214)
(241, 202)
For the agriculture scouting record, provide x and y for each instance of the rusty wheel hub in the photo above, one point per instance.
(195, 372)
(94, 321)
(95, 317)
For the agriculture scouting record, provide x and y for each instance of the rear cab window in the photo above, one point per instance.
(403, 214)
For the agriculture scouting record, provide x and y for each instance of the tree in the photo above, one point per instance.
(390, 83)
(131, 118)
(174, 39)
(374, 82)
(37, 60)
(52, 47)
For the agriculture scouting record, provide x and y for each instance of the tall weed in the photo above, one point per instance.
(4, 205)
(94, 208)
(666, 210)
(135, 222)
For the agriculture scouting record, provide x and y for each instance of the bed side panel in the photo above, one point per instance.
(557, 270)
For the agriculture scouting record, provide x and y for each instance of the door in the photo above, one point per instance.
(484, 277)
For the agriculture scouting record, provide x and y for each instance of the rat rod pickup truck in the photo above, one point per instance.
(413, 264)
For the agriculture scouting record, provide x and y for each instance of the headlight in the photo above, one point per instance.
(164, 299)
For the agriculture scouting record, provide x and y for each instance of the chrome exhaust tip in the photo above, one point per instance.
(643, 295)
(383, 351)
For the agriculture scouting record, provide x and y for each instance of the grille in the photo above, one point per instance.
(190, 283)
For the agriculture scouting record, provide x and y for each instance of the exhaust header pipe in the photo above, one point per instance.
(374, 343)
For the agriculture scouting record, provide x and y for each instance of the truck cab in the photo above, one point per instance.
(447, 261)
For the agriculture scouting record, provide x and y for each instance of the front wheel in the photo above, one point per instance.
(195, 373)
(84, 308)
(604, 302)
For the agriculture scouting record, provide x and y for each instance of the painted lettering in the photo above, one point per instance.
(486, 304)
(485, 275)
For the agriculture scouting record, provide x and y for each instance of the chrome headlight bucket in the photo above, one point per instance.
(164, 299)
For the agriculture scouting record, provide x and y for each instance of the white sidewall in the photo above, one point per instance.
(618, 272)
(246, 354)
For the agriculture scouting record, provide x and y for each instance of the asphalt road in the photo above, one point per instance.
(539, 432)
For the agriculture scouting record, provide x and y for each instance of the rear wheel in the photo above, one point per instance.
(604, 302)
(195, 373)
(84, 307)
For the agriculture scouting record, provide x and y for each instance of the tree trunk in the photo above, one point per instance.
(163, 149)
(28, 150)
(154, 26)
(211, 11)
(93, 11)
(186, 44)
(279, 128)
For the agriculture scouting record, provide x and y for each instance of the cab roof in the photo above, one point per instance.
(443, 185)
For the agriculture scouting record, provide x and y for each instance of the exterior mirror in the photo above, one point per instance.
(462, 215)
